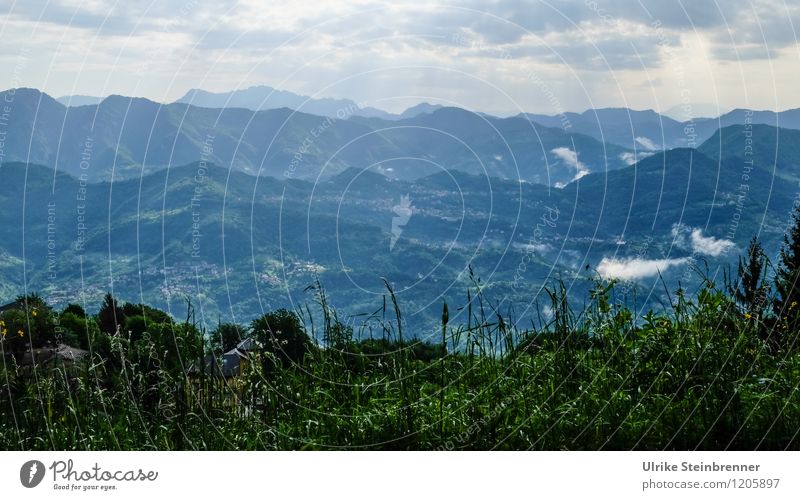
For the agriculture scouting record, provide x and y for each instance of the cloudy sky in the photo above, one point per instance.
(496, 56)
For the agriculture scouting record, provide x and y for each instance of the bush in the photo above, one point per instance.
(282, 334)
(227, 335)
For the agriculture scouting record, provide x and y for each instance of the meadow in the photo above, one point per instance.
(706, 373)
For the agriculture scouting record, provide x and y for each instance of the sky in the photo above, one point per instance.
(503, 56)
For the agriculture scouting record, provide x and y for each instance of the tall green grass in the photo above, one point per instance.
(699, 375)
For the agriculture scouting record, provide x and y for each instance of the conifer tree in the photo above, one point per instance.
(752, 290)
(111, 315)
(787, 284)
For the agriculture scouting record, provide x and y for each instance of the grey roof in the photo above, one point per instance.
(225, 365)
(44, 355)
(249, 344)
(13, 305)
(231, 364)
(236, 352)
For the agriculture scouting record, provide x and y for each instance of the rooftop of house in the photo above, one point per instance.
(17, 304)
(249, 344)
(227, 364)
(43, 355)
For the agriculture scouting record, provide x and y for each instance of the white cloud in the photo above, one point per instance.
(692, 239)
(709, 245)
(635, 268)
(647, 144)
(534, 248)
(630, 158)
(570, 158)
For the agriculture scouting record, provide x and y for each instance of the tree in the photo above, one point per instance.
(752, 290)
(75, 309)
(227, 335)
(150, 314)
(787, 300)
(281, 333)
(110, 315)
(135, 326)
(30, 325)
(75, 330)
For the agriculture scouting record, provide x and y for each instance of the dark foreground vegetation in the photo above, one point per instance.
(717, 369)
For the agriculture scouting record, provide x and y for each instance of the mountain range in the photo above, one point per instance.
(79, 100)
(237, 244)
(262, 97)
(241, 210)
(649, 131)
(124, 137)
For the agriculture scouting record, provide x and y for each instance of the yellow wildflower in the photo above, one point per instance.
(747, 316)
(20, 333)
(33, 313)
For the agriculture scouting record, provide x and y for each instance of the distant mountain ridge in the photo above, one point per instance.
(262, 97)
(123, 137)
(694, 111)
(647, 130)
(639, 130)
(79, 100)
(419, 109)
(757, 147)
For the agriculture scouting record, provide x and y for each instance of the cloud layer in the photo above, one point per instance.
(481, 55)
(635, 268)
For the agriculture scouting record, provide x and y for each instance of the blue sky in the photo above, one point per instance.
(498, 56)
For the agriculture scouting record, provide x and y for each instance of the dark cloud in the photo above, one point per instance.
(769, 23)
(583, 53)
(330, 41)
(107, 23)
(118, 17)
(758, 32)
